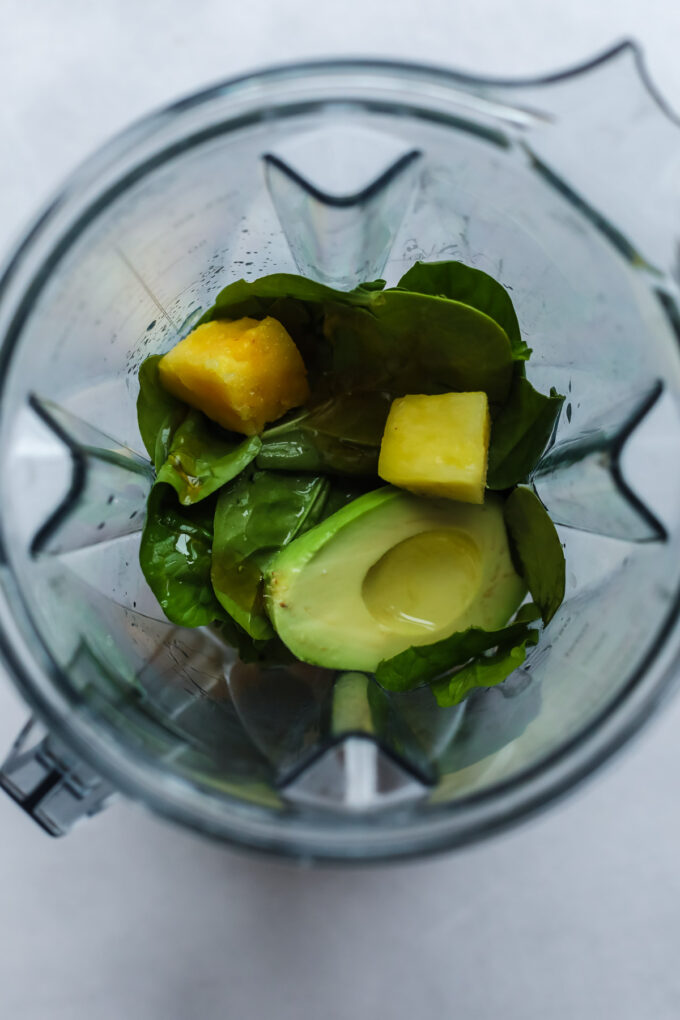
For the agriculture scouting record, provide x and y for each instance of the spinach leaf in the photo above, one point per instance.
(470, 286)
(295, 301)
(175, 555)
(398, 342)
(362, 348)
(375, 339)
(485, 671)
(354, 417)
(202, 458)
(255, 297)
(339, 436)
(520, 432)
(343, 491)
(256, 516)
(304, 449)
(536, 549)
(158, 412)
(421, 664)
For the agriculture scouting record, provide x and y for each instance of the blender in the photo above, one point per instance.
(565, 190)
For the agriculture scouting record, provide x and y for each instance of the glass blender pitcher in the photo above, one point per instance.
(566, 190)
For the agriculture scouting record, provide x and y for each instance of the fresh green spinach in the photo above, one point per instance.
(304, 449)
(158, 412)
(202, 458)
(256, 516)
(296, 302)
(175, 556)
(398, 342)
(379, 339)
(446, 326)
(339, 436)
(422, 664)
(484, 671)
(458, 282)
(536, 549)
(342, 491)
(354, 417)
(520, 432)
(256, 297)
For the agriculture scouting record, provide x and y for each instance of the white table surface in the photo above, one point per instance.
(574, 915)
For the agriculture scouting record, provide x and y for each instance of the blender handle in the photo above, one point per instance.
(50, 783)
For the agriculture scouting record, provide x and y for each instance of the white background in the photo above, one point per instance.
(574, 915)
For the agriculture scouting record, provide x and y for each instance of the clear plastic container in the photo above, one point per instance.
(566, 190)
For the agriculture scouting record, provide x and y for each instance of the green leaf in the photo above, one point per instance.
(520, 433)
(338, 436)
(485, 671)
(158, 412)
(254, 297)
(175, 555)
(391, 340)
(202, 458)
(364, 347)
(372, 285)
(353, 417)
(398, 342)
(536, 550)
(342, 491)
(470, 286)
(527, 613)
(255, 517)
(304, 449)
(295, 301)
(421, 664)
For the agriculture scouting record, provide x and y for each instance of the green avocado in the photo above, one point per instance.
(388, 571)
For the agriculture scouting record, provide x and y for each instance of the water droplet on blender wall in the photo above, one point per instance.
(568, 412)
(151, 325)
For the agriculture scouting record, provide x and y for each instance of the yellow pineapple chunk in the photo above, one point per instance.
(438, 445)
(242, 374)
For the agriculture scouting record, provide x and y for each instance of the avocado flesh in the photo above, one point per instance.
(388, 571)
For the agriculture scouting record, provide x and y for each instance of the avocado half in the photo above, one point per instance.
(388, 571)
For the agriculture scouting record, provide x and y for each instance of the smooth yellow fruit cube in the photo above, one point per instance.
(242, 374)
(438, 445)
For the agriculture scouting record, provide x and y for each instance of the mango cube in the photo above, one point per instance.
(438, 445)
(241, 374)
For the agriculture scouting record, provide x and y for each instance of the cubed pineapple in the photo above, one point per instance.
(438, 445)
(241, 374)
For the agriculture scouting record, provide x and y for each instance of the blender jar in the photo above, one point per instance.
(565, 190)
